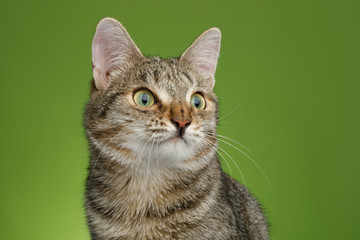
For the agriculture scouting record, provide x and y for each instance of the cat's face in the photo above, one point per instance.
(149, 111)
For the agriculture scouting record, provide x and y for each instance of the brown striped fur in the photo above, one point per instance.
(145, 184)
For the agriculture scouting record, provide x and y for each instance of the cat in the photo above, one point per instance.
(151, 128)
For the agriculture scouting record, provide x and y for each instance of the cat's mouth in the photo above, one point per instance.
(175, 139)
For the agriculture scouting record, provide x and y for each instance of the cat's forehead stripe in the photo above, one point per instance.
(168, 80)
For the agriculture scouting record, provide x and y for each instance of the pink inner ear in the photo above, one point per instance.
(112, 49)
(207, 68)
(100, 61)
(204, 52)
(99, 53)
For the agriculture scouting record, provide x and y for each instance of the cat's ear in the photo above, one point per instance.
(112, 50)
(203, 54)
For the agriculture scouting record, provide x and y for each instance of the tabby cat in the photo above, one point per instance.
(151, 126)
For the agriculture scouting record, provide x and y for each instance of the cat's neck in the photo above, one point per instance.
(139, 191)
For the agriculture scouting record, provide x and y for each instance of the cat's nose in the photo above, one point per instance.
(180, 123)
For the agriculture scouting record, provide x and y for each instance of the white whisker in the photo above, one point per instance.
(200, 149)
(212, 147)
(252, 160)
(102, 150)
(234, 142)
(150, 153)
(241, 173)
(233, 110)
(157, 154)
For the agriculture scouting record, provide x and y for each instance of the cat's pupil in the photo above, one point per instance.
(144, 98)
(197, 102)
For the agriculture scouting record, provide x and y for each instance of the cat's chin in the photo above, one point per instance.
(175, 140)
(175, 149)
(175, 143)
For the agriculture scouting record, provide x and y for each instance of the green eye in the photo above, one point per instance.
(197, 101)
(144, 98)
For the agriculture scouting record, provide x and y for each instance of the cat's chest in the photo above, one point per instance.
(141, 228)
(189, 225)
(129, 211)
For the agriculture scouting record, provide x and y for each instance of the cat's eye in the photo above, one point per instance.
(144, 98)
(198, 101)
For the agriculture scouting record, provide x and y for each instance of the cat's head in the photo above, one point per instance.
(150, 111)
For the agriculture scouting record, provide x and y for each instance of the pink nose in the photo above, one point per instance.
(181, 123)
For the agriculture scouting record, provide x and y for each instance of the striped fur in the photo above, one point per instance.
(145, 184)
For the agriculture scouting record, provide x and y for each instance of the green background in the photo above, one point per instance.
(293, 66)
